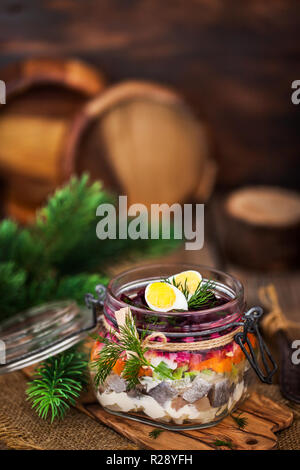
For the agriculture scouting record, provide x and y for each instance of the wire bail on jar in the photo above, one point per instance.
(96, 304)
(249, 324)
(251, 318)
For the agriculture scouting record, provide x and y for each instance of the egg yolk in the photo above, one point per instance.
(161, 295)
(190, 278)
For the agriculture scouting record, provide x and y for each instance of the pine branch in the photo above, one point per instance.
(51, 288)
(46, 261)
(12, 289)
(58, 383)
(67, 225)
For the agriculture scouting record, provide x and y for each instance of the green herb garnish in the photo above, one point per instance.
(172, 320)
(183, 287)
(131, 345)
(206, 371)
(164, 371)
(178, 373)
(112, 351)
(241, 421)
(203, 295)
(220, 443)
(154, 320)
(155, 433)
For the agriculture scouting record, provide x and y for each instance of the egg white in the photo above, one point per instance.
(182, 272)
(179, 304)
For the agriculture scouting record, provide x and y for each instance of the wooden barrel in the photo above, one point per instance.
(142, 140)
(260, 228)
(42, 97)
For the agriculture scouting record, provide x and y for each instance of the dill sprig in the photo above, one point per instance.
(183, 287)
(129, 345)
(203, 295)
(155, 433)
(105, 361)
(220, 443)
(241, 421)
(58, 383)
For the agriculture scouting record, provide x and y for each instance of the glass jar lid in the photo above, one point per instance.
(38, 333)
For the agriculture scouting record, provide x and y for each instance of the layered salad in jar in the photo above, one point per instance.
(171, 379)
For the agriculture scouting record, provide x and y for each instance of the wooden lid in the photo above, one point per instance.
(265, 206)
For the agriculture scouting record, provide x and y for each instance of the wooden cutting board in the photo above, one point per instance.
(264, 418)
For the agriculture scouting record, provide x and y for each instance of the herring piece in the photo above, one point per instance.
(137, 392)
(178, 403)
(116, 383)
(203, 404)
(199, 389)
(117, 401)
(219, 393)
(163, 392)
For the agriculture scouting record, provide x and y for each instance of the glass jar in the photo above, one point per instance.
(197, 370)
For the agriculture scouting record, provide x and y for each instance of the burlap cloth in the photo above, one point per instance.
(21, 428)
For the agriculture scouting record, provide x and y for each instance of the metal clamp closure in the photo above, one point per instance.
(90, 300)
(250, 319)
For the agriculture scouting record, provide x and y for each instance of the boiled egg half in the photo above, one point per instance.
(187, 281)
(163, 297)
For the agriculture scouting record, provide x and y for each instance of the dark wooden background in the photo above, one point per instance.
(233, 60)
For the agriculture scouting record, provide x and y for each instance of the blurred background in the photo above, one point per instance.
(165, 102)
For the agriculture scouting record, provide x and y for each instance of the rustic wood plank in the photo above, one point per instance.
(139, 433)
(263, 415)
(264, 407)
(261, 439)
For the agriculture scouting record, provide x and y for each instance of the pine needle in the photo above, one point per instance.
(155, 433)
(57, 384)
